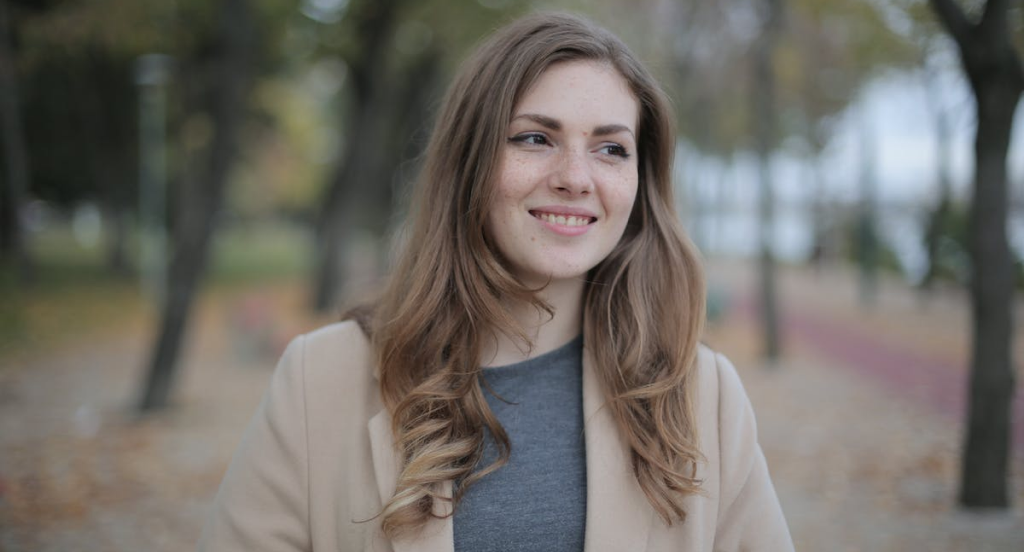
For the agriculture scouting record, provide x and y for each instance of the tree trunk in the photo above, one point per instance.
(357, 170)
(987, 449)
(374, 171)
(100, 87)
(227, 101)
(763, 92)
(996, 75)
(14, 189)
(347, 201)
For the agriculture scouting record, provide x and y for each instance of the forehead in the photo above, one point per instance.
(587, 92)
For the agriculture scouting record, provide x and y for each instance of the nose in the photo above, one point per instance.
(573, 177)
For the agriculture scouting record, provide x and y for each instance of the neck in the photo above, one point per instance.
(546, 333)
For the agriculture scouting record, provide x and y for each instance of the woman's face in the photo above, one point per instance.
(567, 176)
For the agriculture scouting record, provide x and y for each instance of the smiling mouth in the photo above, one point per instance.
(563, 220)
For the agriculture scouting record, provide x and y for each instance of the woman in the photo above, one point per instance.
(544, 262)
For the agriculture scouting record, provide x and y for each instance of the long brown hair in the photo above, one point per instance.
(643, 305)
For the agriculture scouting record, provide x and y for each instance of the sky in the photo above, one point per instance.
(893, 124)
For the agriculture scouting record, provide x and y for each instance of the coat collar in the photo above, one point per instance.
(618, 514)
(619, 517)
(437, 535)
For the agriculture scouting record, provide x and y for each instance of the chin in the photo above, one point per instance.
(553, 274)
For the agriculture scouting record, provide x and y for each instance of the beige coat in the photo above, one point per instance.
(317, 461)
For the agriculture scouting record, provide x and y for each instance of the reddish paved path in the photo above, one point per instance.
(938, 381)
(910, 369)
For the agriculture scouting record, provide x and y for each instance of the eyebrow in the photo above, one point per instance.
(605, 130)
(555, 124)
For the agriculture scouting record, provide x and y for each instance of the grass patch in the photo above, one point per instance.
(258, 254)
(73, 296)
(69, 294)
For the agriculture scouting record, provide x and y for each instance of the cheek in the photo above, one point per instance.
(501, 214)
(519, 174)
(503, 207)
(624, 197)
(514, 184)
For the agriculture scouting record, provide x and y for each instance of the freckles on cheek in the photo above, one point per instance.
(506, 190)
(624, 197)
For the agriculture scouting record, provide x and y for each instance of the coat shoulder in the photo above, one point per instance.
(338, 370)
(720, 394)
(338, 352)
(708, 374)
(344, 333)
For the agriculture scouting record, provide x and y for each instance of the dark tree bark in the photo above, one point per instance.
(356, 191)
(15, 182)
(995, 72)
(763, 93)
(377, 170)
(227, 100)
(107, 110)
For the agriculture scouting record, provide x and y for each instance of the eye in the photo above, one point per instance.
(614, 149)
(531, 138)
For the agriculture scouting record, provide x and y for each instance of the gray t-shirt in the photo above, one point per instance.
(538, 501)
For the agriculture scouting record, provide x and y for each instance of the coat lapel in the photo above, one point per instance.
(437, 535)
(619, 516)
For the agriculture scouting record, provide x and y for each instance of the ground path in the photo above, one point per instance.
(862, 421)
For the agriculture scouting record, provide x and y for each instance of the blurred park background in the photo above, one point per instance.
(188, 184)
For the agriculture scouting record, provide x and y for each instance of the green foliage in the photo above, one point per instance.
(864, 245)
(80, 147)
(828, 48)
(122, 28)
(949, 256)
(283, 168)
(76, 62)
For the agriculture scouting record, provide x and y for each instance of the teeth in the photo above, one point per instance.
(564, 220)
